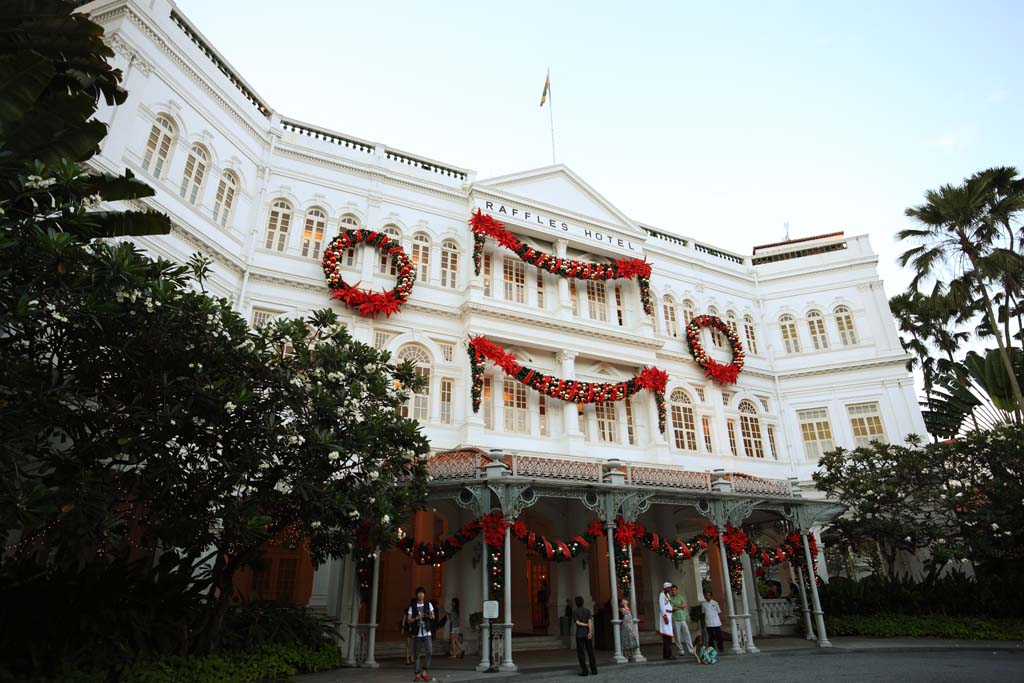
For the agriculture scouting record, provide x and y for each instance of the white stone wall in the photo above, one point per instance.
(167, 73)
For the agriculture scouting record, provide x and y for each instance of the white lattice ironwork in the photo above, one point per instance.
(744, 483)
(461, 464)
(670, 476)
(556, 468)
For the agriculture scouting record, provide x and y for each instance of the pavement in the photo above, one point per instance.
(780, 660)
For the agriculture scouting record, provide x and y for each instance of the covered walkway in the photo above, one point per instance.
(715, 507)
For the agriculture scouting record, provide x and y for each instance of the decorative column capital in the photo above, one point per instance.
(566, 356)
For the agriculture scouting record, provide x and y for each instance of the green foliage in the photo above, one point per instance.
(952, 594)
(53, 70)
(268, 662)
(954, 502)
(92, 617)
(140, 413)
(967, 254)
(252, 625)
(904, 626)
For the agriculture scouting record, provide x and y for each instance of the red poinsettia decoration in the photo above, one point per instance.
(368, 303)
(711, 531)
(721, 373)
(480, 348)
(595, 528)
(484, 226)
(519, 529)
(494, 526)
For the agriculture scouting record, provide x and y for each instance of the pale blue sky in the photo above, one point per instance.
(716, 120)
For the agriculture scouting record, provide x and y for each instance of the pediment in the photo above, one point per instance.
(558, 188)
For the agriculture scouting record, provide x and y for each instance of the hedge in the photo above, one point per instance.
(267, 662)
(917, 626)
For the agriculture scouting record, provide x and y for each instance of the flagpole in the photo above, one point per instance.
(551, 112)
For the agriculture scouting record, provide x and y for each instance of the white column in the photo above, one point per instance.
(819, 616)
(350, 659)
(507, 664)
(371, 641)
(564, 302)
(808, 627)
(748, 581)
(485, 627)
(617, 657)
(729, 602)
(637, 656)
(567, 359)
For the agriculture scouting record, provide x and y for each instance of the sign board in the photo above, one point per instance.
(490, 609)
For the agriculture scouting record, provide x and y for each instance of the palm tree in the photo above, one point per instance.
(967, 235)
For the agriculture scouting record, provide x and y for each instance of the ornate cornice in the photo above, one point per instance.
(368, 171)
(471, 308)
(147, 28)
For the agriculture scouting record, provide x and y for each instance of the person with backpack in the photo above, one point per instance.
(419, 619)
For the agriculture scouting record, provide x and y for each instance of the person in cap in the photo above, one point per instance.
(665, 621)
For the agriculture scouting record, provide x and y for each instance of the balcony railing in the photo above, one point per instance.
(469, 463)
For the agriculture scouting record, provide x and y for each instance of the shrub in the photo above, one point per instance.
(254, 624)
(266, 663)
(953, 594)
(915, 626)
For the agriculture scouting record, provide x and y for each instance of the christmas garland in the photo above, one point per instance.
(719, 372)
(557, 550)
(480, 347)
(368, 303)
(430, 553)
(493, 527)
(484, 226)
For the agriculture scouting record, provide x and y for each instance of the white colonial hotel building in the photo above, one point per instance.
(261, 194)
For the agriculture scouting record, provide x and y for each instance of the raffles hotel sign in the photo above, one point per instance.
(504, 212)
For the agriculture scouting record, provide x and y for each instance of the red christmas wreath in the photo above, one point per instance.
(720, 372)
(368, 303)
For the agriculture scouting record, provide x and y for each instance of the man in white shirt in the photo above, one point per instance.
(420, 621)
(713, 620)
(665, 621)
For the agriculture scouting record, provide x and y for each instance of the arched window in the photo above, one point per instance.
(684, 429)
(449, 264)
(597, 300)
(717, 338)
(750, 429)
(278, 224)
(313, 232)
(421, 256)
(418, 407)
(732, 322)
(751, 333)
(607, 425)
(816, 326)
(689, 312)
(225, 199)
(351, 257)
(195, 172)
(671, 324)
(790, 337)
(386, 266)
(159, 145)
(844, 321)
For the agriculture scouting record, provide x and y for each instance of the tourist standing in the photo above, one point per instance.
(630, 638)
(713, 620)
(420, 618)
(455, 648)
(680, 630)
(584, 621)
(665, 621)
